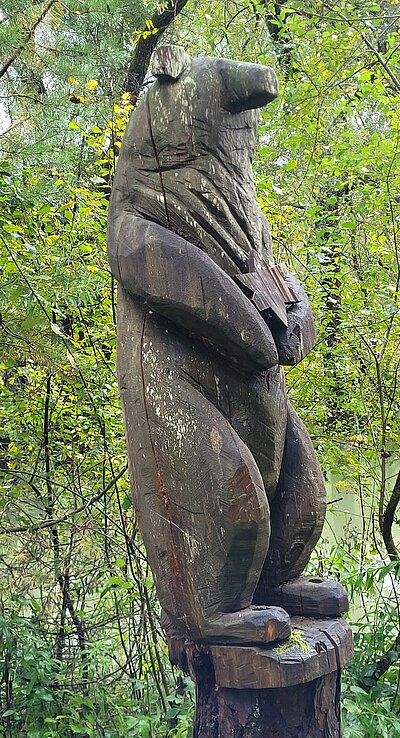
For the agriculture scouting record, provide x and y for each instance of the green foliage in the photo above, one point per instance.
(46, 703)
(366, 716)
(70, 70)
(80, 648)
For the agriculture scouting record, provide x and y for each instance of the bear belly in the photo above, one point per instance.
(205, 444)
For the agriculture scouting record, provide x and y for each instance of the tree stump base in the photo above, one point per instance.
(287, 691)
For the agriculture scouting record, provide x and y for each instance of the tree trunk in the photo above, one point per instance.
(309, 710)
(289, 691)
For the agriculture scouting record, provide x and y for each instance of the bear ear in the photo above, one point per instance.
(169, 62)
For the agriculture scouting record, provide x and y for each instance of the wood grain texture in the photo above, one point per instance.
(310, 710)
(267, 288)
(177, 280)
(186, 158)
(297, 510)
(200, 497)
(243, 692)
(321, 646)
(329, 648)
(311, 597)
(215, 451)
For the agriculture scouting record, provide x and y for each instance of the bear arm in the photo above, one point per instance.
(179, 281)
(296, 341)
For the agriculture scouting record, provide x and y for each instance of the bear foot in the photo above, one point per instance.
(311, 597)
(255, 624)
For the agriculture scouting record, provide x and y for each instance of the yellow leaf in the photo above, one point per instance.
(91, 268)
(73, 81)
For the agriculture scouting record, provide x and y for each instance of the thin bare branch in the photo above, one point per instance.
(372, 48)
(64, 518)
(11, 59)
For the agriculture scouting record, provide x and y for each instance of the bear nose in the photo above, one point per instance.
(247, 86)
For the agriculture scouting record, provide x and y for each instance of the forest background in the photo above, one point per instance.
(81, 653)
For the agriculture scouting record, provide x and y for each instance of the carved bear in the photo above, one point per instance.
(229, 496)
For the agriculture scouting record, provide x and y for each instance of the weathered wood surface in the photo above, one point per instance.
(310, 596)
(268, 289)
(297, 510)
(319, 647)
(329, 648)
(243, 692)
(185, 161)
(254, 624)
(283, 302)
(229, 496)
(310, 710)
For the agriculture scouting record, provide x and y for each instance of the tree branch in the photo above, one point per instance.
(375, 51)
(381, 61)
(386, 522)
(373, 673)
(146, 44)
(275, 22)
(11, 59)
(55, 521)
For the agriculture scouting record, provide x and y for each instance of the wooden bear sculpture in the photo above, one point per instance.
(229, 496)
